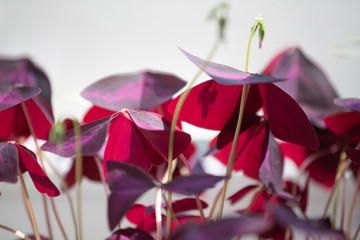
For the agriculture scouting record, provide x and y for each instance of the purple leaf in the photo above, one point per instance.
(193, 184)
(227, 75)
(353, 154)
(91, 139)
(271, 170)
(130, 234)
(25, 73)
(11, 95)
(140, 91)
(319, 228)
(127, 183)
(9, 160)
(348, 103)
(225, 229)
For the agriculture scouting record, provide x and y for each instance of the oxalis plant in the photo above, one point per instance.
(132, 141)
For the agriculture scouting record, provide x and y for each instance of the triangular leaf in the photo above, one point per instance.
(140, 91)
(227, 75)
(92, 137)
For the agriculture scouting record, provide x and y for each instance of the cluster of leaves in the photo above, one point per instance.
(291, 110)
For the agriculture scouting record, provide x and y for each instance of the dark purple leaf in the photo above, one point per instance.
(271, 170)
(92, 138)
(306, 83)
(319, 228)
(227, 75)
(127, 183)
(130, 234)
(354, 155)
(225, 229)
(9, 160)
(140, 91)
(25, 73)
(348, 103)
(193, 184)
(11, 95)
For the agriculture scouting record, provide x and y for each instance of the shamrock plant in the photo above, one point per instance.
(132, 141)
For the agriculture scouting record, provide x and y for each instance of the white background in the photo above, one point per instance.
(79, 42)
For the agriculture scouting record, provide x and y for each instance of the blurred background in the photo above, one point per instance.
(79, 42)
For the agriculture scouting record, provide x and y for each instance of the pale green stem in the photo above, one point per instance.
(15, 232)
(66, 190)
(173, 125)
(231, 159)
(78, 173)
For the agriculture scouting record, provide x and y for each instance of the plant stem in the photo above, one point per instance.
(101, 173)
(216, 200)
(173, 125)
(197, 198)
(343, 168)
(15, 232)
(62, 230)
(356, 232)
(66, 190)
(28, 205)
(230, 164)
(353, 204)
(78, 173)
(158, 214)
(32, 132)
(39, 153)
(336, 194)
(47, 217)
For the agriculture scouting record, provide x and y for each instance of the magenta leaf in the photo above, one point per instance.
(142, 138)
(193, 184)
(209, 105)
(242, 193)
(305, 83)
(353, 154)
(92, 138)
(96, 113)
(287, 120)
(130, 234)
(252, 144)
(225, 228)
(11, 95)
(343, 122)
(318, 228)
(127, 183)
(271, 170)
(140, 91)
(227, 75)
(348, 103)
(28, 162)
(179, 206)
(9, 160)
